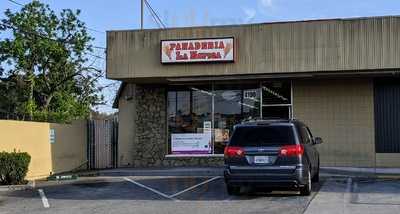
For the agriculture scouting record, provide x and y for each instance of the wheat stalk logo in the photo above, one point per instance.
(167, 50)
(227, 49)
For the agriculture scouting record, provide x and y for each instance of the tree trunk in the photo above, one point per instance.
(30, 98)
(47, 102)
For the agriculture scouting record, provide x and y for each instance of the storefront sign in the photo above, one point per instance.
(197, 50)
(196, 143)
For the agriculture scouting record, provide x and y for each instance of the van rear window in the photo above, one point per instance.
(262, 136)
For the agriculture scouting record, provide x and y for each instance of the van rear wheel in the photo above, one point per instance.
(316, 177)
(233, 190)
(306, 189)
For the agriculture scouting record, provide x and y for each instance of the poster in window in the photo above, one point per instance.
(191, 143)
(221, 135)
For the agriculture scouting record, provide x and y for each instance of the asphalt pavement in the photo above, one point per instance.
(199, 194)
(148, 194)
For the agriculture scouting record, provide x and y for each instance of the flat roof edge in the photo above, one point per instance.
(259, 23)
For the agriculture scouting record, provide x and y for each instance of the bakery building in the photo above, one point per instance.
(183, 89)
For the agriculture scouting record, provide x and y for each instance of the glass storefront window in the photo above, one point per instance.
(189, 119)
(277, 92)
(276, 99)
(276, 112)
(201, 117)
(233, 104)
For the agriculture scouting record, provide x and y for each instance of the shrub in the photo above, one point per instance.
(13, 167)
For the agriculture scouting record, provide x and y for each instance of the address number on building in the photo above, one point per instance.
(250, 94)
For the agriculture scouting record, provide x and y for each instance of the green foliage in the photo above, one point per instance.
(13, 167)
(45, 65)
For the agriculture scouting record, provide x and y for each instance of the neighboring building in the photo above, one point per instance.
(184, 89)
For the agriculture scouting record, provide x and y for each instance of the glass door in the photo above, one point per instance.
(276, 99)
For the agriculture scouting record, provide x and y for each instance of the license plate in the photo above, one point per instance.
(262, 159)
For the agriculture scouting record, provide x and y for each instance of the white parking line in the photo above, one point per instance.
(44, 199)
(195, 186)
(149, 188)
(347, 194)
(348, 187)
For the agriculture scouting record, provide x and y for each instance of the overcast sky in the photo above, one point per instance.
(103, 15)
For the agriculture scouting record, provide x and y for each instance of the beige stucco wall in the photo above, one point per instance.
(28, 137)
(342, 113)
(126, 127)
(69, 150)
(67, 153)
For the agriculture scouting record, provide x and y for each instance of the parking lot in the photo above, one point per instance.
(147, 195)
(197, 194)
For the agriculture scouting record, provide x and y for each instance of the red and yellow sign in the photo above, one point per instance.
(197, 50)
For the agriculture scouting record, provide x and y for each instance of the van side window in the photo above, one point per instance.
(305, 135)
(310, 134)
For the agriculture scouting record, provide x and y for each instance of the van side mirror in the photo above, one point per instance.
(318, 140)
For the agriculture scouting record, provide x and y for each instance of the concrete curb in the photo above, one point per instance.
(156, 172)
(8, 188)
(218, 171)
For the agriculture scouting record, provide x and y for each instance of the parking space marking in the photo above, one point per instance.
(44, 199)
(195, 186)
(229, 198)
(347, 194)
(149, 188)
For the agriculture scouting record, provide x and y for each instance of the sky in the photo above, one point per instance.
(103, 15)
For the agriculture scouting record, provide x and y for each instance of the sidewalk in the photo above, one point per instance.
(359, 172)
(348, 196)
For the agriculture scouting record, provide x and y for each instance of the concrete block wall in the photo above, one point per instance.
(342, 113)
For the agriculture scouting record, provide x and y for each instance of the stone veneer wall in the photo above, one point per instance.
(150, 142)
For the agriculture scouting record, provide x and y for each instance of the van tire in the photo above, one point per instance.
(306, 189)
(233, 190)
(315, 178)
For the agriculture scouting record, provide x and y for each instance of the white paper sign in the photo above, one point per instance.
(207, 126)
(197, 143)
(52, 136)
(197, 50)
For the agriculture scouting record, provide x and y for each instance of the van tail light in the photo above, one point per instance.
(233, 151)
(291, 150)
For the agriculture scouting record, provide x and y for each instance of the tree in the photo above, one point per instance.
(48, 52)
